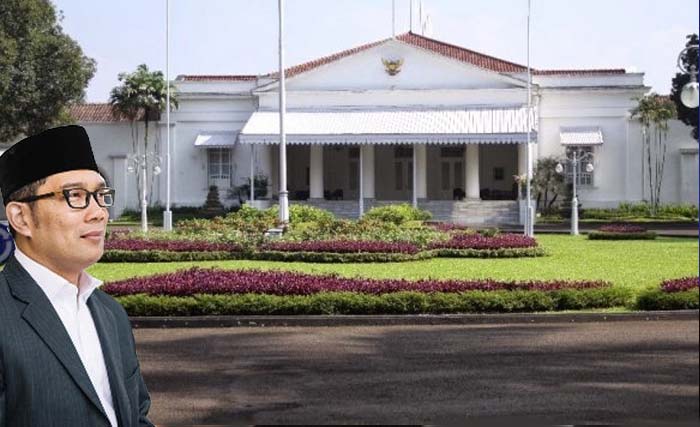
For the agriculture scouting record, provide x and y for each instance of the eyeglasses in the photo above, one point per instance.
(79, 198)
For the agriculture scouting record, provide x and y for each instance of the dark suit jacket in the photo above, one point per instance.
(42, 380)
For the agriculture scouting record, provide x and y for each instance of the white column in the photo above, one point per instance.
(421, 173)
(367, 153)
(361, 201)
(316, 171)
(522, 159)
(471, 162)
(120, 185)
(251, 196)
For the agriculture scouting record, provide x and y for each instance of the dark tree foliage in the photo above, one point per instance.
(42, 70)
(689, 116)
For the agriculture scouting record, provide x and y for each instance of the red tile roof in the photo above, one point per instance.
(93, 112)
(449, 50)
(579, 72)
(462, 54)
(306, 66)
(226, 78)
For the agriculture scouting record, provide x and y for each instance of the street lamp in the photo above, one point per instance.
(689, 93)
(141, 163)
(575, 159)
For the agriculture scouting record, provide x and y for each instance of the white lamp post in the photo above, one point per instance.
(575, 160)
(141, 163)
(689, 94)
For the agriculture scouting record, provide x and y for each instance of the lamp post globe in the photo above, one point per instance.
(690, 95)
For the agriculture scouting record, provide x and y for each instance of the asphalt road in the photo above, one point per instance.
(632, 372)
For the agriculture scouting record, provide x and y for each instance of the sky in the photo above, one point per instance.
(240, 36)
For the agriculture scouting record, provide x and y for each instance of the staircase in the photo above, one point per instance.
(480, 213)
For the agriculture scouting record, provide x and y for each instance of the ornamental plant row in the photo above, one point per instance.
(673, 294)
(215, 281)
(404, 302)
(169, 245)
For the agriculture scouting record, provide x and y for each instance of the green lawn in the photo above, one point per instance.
(635, 264)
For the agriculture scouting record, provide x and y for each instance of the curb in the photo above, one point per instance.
(144, 322)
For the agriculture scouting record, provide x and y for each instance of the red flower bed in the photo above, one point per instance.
(342, 247)
(477, 241)
(680, 285)
(213, 281)
(621, 228)
(169, 245)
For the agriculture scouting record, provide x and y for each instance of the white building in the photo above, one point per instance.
(407, 119)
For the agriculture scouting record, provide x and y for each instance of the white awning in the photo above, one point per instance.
(216, 139)
(580, 135)
(499, 125)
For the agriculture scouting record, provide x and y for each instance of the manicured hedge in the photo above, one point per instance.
(279, 282)
(657, 299)
(342, 246)
(621, 231)
(114, 255)
(491, 253)
(672, 294)
(357, 303)
(126, 244)
(604, 235)
(483, 242)
(331, 257)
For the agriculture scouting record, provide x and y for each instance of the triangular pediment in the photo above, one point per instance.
(415, 68)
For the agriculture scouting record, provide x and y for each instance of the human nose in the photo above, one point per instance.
(95, 212)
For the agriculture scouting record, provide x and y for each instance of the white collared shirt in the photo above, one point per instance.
(70, 303)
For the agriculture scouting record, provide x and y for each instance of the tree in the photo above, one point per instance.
(689, 116)
(547, 183)
(654, 111)
(42, 70)
(142, 96)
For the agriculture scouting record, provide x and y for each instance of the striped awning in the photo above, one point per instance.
(216, 139)
(500, 125)
(580, 136)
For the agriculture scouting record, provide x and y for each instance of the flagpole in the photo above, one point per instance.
(283, 200)
(167, 215)
(529, 224)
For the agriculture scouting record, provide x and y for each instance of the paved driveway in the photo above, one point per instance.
(632, 372)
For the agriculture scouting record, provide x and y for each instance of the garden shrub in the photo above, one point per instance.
(672, 294)
(642, 210)
(299, 213)
(397, 214)
(114, 255)
(329, 257)
(405, 302)
(621, 231)
(491, 253)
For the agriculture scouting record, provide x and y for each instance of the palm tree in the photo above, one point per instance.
(654, 111)
(141, 96)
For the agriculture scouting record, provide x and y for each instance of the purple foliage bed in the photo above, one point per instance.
(680, 285)
(216, 281)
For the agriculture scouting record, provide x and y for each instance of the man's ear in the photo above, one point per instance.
(20, 218)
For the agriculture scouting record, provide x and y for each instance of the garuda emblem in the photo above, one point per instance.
(392, 66)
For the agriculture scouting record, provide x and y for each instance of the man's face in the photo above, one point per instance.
(67, 239)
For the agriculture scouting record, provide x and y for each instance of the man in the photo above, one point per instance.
(67, 355)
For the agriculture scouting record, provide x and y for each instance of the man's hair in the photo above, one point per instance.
(24, 192)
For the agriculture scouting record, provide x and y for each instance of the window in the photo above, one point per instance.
(219, 163)
(582, 177)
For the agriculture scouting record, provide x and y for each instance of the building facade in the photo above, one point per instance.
(406, 119)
